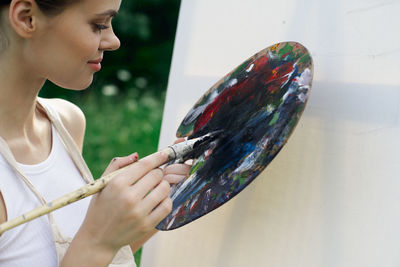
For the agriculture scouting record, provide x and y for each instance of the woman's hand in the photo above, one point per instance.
(175, 173)
(129, 207)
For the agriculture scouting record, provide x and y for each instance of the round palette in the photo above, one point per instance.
(254, 109)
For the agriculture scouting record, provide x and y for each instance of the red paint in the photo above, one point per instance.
(181, 212)
(261, 63)
(282, 70)
(278, 77)
(223, 98)
(273, 79)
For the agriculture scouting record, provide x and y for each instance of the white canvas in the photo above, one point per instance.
(331, 196)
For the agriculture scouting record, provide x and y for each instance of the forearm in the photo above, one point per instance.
(84, 252)
(139, 243)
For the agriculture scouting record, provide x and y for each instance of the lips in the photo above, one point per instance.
(97, 61)
(95, 64)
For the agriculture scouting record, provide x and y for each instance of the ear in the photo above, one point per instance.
(23, 16)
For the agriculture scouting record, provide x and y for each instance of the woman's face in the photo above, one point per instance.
(68, 48)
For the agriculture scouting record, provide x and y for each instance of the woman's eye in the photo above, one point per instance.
(100, 27)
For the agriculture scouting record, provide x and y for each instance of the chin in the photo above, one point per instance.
(75, 85)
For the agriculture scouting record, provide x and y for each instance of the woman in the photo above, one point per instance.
(64, 41)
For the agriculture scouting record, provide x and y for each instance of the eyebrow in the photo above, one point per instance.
(110, 12)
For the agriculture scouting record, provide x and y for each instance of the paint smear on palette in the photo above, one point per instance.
(256, 107)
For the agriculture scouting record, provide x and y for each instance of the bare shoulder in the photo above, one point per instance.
(72, 118)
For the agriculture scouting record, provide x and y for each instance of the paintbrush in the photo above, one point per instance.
(177, 152)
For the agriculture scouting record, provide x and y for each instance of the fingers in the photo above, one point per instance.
(120, 162)
(174, 178)
(180, 169)
(156, 196)
(161, 211)
(136, 171)
(153, 192)
(147, 183)
(179, 140)
(176, 172)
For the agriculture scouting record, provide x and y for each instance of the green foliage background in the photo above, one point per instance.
(124, 105)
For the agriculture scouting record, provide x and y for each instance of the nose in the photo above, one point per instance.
(109, 41)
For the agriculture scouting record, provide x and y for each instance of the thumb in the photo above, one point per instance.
(120, 162)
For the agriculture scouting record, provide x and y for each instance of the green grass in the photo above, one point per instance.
(118, 126)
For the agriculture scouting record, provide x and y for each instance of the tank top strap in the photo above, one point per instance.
(66, 138)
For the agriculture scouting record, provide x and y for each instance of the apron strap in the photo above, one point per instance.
(7, 154)
(69, 143)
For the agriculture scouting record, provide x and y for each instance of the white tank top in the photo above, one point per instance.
(43, 241)
(31, 244)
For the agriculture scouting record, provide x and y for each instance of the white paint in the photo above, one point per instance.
(305, 78)
(250, 68)
(331, 197)
(232, 82)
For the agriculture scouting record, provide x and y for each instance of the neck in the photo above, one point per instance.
(18, 92)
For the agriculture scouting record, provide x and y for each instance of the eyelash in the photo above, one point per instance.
(100, 27)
